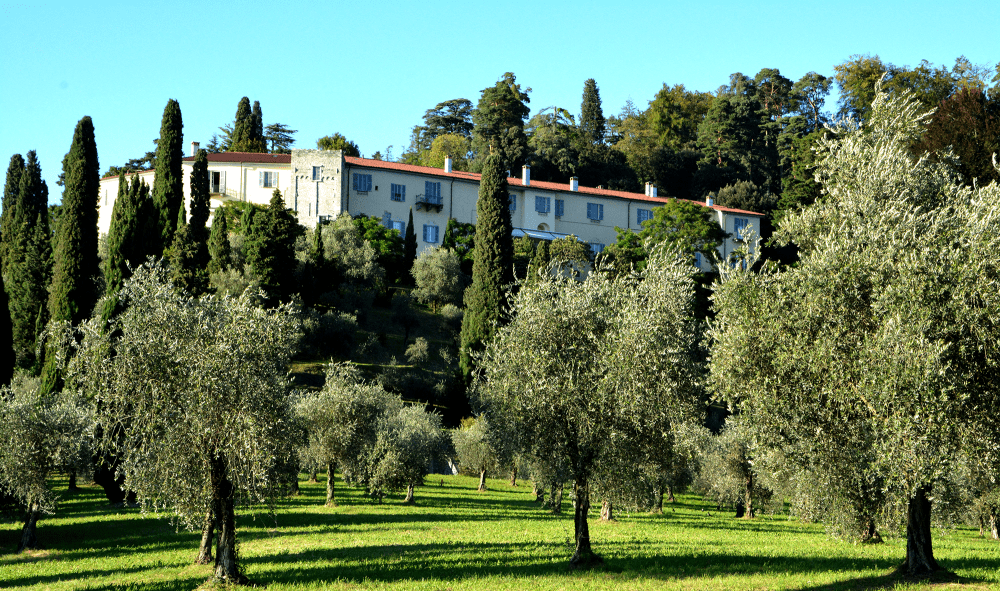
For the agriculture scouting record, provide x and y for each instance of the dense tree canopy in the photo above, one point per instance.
(499, 124)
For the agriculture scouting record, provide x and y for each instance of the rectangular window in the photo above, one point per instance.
(317, 173)
(596, 247)
(543, 204)
(739, 225)
(595, 212)
(387, 220)
(268, 179)
(697, 260)
(217, 179)
(430, 233)
(397, 192)
(400, 227)
(432, 192)
(642, 215)
(362, 183)
(560, 207)
(513, 202)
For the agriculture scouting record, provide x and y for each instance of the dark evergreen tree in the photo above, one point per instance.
(30, 256)
(126, 240)
(409, 246)
(258, 126)
(76, 264)
(188, 259)
(218, 243)
(242, 128)
(168, 186)
(538, 262)
(270, 249)
(10, 190)
(200, 196)
(591, 114)
(499, 124)
(7, 357)
(492, 269)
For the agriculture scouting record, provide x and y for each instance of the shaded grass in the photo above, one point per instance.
(458, 538)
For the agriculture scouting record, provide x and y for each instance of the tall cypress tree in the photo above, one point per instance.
(168, 186)
(128, 237)
(243, 127)
(7, 357)
(409, 246)
(200, 199)
(10, 190)
(493, 267)
(257, 141)
(591, 114)
(271, 249)
(74, 289)
(218, 243)
(30, 256)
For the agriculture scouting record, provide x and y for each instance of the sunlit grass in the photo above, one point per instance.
(458, 538)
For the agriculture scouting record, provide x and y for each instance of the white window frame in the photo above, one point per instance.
(268, 179)
(220, 187)
(317, 173)
(739, 226)
(431, 234)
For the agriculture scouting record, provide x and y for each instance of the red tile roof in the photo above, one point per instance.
(249, 157)
(516, 182)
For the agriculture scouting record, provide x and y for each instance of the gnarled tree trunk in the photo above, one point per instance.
(72, 482)
(607, 511)
(919, 553)
(555, 497)
(227, 566)
(870, 535)
(993, 525)
(748, 498)
(670, 494)
(29, 541)
(513, 476)
(409, 494)
(207, 535)
(584, 556)
(658, 500)
(313, 469)
(482, 480)
(331, 480)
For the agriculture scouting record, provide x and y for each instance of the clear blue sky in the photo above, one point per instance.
(369, 70)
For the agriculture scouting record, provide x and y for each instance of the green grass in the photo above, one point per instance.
(457, 538)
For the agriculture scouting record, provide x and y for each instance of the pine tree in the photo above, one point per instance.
(499, 123)
(74, 289)
(218, 243)
(492, 270)
(10, 190)
(591, 114)
(168, 186)
(29, 265)
(409, 246)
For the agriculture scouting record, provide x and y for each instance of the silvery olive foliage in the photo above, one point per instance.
(875, 358)
(474, 452)
(438, 275)
(406, 442)
(587, 368)
(40, 435)
(184, 384)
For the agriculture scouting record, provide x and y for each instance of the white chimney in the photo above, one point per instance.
(574, 183)
(447, 163)
(652, 190)
(645, 191)
(526, 175)
(194, 148)
(709, 201)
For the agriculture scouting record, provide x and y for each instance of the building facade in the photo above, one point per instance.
(319, 185)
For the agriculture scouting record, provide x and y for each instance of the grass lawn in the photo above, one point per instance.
(457, 538)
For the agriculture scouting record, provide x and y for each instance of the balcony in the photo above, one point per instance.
(429, 201)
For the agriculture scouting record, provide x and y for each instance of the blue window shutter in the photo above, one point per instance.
(426, 228)
(402, 191)
(354, 179)
(434, 234)
(387, 220)
(590, 211)
(560, 207)
(600, 211)
(261, 180)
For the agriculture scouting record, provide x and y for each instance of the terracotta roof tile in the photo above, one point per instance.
(248, 157)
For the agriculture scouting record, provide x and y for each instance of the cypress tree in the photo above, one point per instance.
(188, 259)
(7, 356)
(271, 249)
(128, 237)
(591, 114)
(409, 246)
(538, 262)
(257, 141)
(218, 243)
(492, 269)
(243, 127)
(74, 291)
(200, 200)
(168, 186)
(30, 257)
(10, 191)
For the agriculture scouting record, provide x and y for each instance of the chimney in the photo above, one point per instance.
(574, 184)
(709, 201)
(447, 163)
(526, 175)
(646, 190)
(652, 190)
(194, 148)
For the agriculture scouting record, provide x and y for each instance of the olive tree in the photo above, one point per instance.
(192, 397)
(408, 439)
(883, 338)
(39, 435)
(438, 275)
(587, 368)
(473, 449)
(340, 421)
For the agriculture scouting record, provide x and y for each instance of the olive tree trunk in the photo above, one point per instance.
(993, 525)
(482, 480)
(513, 476)
(312, 472)
(670, 494)
(607, 511)
(331, 481)
(207, 536)
(870, 535)
(227, 566)
(409, 494)
(919, 553)
(72, 482)
(748, 498)
(29, 541)
(555, 497)
(658, 500)
(584, 556)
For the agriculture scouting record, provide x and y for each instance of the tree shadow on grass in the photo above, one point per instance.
(892, 580)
